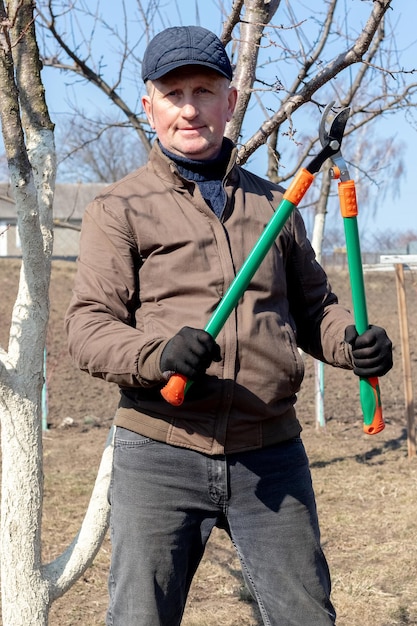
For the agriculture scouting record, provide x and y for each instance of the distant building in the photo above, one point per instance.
(70, 201)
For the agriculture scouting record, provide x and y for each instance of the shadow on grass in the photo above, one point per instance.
(245, 594)
(369, 455)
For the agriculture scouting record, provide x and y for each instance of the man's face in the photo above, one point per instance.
(188, 108)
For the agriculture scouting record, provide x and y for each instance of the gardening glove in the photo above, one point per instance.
(371, 351)
(189, 353)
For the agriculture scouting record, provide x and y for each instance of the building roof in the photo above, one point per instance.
(70, 200)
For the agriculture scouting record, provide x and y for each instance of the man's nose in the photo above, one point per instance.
(189, 109)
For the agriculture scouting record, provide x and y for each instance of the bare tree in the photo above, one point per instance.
(32, 169)
(28, 587)
(92, 152)
(281, 69)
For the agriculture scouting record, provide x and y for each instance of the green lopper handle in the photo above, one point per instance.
(369, 392)
(175, 389)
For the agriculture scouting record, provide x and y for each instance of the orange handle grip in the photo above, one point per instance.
(347, 198)
(174, 390)
(299, 186)
(371, 405)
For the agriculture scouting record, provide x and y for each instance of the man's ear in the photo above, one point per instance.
(232, 98)
(147, 107)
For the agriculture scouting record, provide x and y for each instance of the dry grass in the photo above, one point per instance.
(367, 505)
(365, 486)
(365, 491)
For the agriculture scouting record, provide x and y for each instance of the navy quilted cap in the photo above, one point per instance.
(184, 45)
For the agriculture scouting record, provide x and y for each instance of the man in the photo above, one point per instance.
(158, 250)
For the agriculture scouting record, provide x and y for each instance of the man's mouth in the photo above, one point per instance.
(191, 129)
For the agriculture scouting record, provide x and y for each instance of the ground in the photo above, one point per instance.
(365, 485)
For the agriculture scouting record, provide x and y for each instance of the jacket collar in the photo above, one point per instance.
(166, 168)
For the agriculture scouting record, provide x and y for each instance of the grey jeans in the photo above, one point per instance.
(165, 502)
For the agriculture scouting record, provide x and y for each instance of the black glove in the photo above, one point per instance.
(189, 353)
(371, 351)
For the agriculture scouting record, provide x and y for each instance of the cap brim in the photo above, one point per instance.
(162, 71)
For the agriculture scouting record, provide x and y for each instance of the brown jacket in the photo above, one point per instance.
(155, 258)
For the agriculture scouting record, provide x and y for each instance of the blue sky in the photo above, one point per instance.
(395, 214)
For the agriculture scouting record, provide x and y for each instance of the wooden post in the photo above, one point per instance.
(405, 345)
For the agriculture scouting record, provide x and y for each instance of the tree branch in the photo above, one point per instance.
(294, 101)
(258, 13)
(81, 68)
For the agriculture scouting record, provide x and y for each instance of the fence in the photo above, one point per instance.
(66, 240)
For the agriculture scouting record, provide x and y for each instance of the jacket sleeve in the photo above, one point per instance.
(100, 320)
(319, 318)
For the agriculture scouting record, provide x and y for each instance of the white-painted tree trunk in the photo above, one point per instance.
(317, 243)
(29, 587)
(67, 568)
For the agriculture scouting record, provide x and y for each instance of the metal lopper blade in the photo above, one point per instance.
(331, 140)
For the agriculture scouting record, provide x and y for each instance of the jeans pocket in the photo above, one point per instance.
(129, 439)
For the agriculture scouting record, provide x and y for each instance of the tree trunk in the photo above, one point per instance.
(320, 214)
(28, 587)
